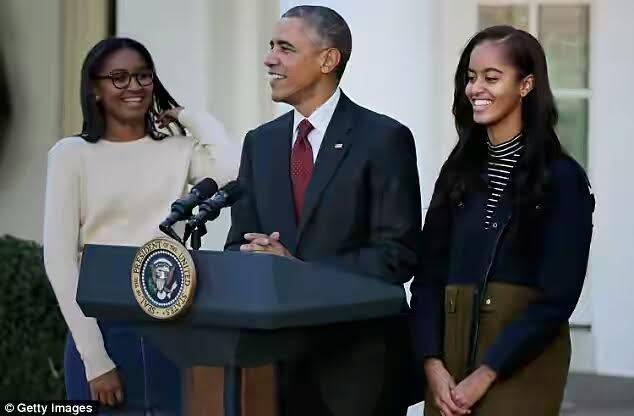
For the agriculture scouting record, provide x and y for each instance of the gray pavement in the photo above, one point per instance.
(592, 395)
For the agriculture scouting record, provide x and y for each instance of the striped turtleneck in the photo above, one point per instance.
(502, 158)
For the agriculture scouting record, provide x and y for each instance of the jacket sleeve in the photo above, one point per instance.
(215, 154)
(61, 255)
(244, 216)
(427, 288)
(563, 261)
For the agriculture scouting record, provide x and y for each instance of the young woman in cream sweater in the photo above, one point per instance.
(113, 184)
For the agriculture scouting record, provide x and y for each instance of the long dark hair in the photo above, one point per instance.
(462, 170)
(93, 126)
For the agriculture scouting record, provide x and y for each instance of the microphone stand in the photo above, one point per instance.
(198, 229)
(196, 235)
(171, 233)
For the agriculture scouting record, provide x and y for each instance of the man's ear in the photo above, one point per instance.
(330, 60)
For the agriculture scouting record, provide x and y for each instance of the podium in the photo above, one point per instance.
(249, 309)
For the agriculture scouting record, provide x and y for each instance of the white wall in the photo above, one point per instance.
(458, 23)
(30, 42)
(612, 60)
(176, 34)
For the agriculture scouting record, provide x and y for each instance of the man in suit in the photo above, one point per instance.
(336, 184)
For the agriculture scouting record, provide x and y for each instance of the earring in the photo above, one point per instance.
(97, 98)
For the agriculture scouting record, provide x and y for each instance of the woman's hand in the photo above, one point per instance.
(169, 116)
(107, 388)
(474, 387)
(441, 383)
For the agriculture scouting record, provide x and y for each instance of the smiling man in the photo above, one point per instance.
(332, 183)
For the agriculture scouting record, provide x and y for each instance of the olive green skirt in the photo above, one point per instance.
(537, 388)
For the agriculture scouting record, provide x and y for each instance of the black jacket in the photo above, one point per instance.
(362, 206)
(456, 249)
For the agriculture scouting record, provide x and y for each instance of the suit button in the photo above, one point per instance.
(494, 225)
(488, 301)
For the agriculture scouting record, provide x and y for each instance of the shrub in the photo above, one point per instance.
(32, 330)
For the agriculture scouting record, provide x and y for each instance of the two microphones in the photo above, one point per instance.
(208, 198)
(209, 209)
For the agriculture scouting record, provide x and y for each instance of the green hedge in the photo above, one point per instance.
(32, 330)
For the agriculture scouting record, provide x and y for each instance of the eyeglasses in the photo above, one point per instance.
(121, 79)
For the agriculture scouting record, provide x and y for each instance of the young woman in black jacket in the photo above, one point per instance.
(505, 244)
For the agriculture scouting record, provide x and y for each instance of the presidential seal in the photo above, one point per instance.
(163, 278)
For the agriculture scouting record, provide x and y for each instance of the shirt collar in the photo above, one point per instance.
(320, 118)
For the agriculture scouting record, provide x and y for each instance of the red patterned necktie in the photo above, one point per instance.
(301, 165)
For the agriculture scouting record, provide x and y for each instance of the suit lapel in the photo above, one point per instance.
(334, 147)
(280, 186)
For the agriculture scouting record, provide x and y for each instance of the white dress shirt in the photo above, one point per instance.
(319, 119)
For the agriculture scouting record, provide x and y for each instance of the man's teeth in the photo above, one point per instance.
(277, 76)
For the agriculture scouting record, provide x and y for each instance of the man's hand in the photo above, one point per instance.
(441, 383)
(474, 387)
(262, 243)
(107, 388)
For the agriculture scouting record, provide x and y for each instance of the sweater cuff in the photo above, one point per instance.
(184, 117)
(204, 127)
(96, 364)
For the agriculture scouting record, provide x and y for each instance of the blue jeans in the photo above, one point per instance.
(151, 382)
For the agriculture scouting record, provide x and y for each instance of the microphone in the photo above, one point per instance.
(181, 208)
(210, 209)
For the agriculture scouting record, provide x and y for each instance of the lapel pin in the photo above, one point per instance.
(339, 146)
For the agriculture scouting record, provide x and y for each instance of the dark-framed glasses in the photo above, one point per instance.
(122, 79)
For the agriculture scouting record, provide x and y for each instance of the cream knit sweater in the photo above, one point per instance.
(117, 193)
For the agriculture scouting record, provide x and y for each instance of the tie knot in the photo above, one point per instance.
(304, 128)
